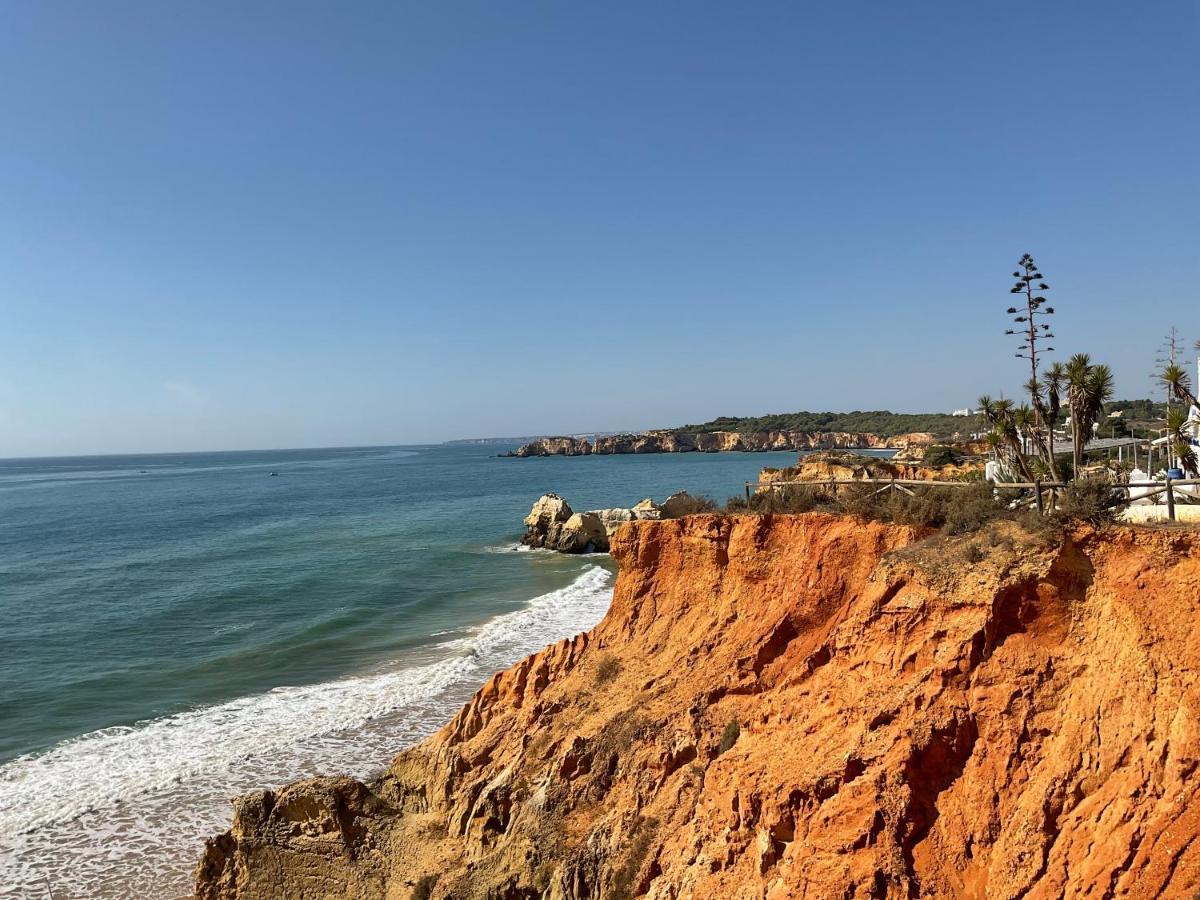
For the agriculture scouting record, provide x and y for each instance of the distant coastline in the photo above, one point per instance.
(718, 442)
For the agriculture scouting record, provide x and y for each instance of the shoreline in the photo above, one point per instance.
(136, 827)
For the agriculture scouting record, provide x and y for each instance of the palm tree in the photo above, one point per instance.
(1177, 382)
(1089, 387)
(1181, 443)
(1007, 423)
(1054, 381)
(1179, 386)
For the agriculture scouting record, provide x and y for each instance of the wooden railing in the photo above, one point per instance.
(1044, 497)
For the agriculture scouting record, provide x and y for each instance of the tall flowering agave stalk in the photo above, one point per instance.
(1034, 335)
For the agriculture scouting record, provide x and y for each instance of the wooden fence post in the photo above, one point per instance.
(747, 492)
(1170, 500)
(1037, 492)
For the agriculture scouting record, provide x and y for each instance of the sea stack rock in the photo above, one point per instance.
(545, 524)
(553, 446)
(553, 525)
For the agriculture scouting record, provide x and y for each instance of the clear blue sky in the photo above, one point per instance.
(234, 225)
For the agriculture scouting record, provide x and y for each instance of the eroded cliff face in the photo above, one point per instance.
(797, 706)
(717, 442)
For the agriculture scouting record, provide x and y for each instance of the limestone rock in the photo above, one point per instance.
(549, 509)
(552, 524)
(584, 533)
(682, 504)
(553, 446)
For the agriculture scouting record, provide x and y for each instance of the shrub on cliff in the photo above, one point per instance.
(940, 455)
(1091, 500)
(729, 736)
(790, 499)
(608, 669)
(972, 508)
(953, 509)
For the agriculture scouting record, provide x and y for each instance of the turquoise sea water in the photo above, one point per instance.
(182, 628)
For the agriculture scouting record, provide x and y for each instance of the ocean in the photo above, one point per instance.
(179, 629)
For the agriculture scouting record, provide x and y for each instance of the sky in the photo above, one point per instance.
(233, 225)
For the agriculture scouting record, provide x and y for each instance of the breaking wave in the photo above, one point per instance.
(124, 811)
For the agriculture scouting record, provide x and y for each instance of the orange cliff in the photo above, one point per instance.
(796, 706)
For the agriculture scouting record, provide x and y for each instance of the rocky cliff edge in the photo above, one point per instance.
(796, 706)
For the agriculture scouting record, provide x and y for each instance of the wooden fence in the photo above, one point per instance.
(1044, 497)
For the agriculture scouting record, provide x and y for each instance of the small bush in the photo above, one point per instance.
(1064, 466)
(940, 455)
(953, 509)
(789, 499)
(729, 736)
(424, 888)
(1091, 500)
(971, 508)
(608, 669)
(542, 877)
(973, 554)
(926, 507)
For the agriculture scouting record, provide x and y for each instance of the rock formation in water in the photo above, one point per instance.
(714, 442)
(554, 446)
(553, 525)
(796, 706)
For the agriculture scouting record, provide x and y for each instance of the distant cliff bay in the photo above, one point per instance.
(781, 431)
(718, 442)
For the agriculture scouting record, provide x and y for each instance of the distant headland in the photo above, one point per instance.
(785, 431)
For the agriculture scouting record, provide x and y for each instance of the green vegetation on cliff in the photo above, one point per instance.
(889, 424)
(880, 422)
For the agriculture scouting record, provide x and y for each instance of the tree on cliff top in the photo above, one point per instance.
(1177, 383)
(1039, 427)
(1089, 387)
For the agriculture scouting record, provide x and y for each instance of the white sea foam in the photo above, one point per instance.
(123, 812)
(514, 548)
